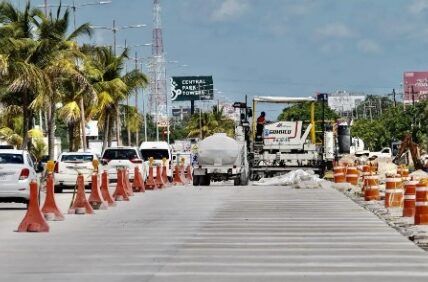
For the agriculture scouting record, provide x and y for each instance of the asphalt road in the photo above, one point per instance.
(217, 233)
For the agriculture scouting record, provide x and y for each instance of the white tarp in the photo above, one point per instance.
(297, 179)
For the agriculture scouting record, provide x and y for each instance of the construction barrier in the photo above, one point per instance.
(404, 173)
(127, 183)
(80, 204)
(371, 188)
(150, 183)
(409, 206)
(95, 198)
(352, 175)
(189, 174)
(339, 174)
(177, 178)
(50, 210)
(421, 212)
(34, 220)
(105, 191)
(393, 192)
(165, 176)
(159, 180)
(182, 174)
(120, 193)
(138, 183)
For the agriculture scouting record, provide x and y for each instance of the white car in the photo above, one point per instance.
(17, 171)
(158, 151)
(69, 165)
(122, 157)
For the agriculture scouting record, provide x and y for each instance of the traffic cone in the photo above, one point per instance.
(165, 176)
(182, 175)
(138, 184)
(177, 179)
(189, 174)
(81, 204)
(33, 220)
(50, 210)
(150, 184)
(128, 185)
(95, 199)
(104, 190)
(120, 193)
(159, 180)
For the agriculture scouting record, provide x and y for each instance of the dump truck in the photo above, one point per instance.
(221, 158)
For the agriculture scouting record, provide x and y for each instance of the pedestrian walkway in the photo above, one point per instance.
(218, 234)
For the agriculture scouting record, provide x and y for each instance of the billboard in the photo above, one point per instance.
(415, 86)
(187, 88)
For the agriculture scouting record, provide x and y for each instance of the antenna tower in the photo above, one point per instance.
(157, 99)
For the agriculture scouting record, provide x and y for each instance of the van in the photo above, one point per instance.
(157, 150)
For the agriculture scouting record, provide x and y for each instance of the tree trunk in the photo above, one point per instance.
(127, 121)
(118, 126)
(25, 122)
(51, 131)
(71, 127)
(110, 129)
(106, 132)
(82, 124)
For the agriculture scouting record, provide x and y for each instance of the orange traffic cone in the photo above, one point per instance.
(104, 190)
(159, 180)
(120, 193)
(95, 198)
(177, 179)
(128, 185)
(81, 204)
(182, 175)
(151, 184)
(165, 176)
(138, 184)
(33, 220)
(189, 174)
(50, 210)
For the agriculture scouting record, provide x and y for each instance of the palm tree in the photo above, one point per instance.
(202, 125)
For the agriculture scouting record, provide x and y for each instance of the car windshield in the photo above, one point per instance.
(120, 154)
(77, 158)
(11, 158)
(157, 154)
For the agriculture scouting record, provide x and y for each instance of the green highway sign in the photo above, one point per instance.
(187, 88)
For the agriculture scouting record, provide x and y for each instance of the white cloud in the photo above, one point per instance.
(230, 9)
(418, 6)
(331, 48)
(369, 46)
(334, 30)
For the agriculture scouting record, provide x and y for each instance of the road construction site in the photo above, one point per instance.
(216, 233)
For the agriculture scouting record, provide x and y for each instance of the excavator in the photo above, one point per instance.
(408, 144)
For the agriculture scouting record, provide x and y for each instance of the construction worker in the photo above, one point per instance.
(260, 125)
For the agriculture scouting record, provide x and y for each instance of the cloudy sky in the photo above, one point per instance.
(279, 47)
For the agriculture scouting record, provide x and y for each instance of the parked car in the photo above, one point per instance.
(69, 165)
(157, 150)
(122, 157)
(17, 171)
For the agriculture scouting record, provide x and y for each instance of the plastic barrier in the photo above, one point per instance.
(80, 204)
(95, 198)
(120, 193)
(105, 191)
(33, 220)
(371, 188)
(50, 210)
(393, 192)
(352, 175)
(421, 213)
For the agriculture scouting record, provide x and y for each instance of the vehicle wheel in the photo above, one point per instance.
(58, 189)
(236, 181)
(207, 180)
(196, 180)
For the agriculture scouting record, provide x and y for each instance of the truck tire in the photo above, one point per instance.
(237, 181)
(196, 180)
(205, 180)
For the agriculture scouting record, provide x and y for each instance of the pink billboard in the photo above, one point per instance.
(415, 86)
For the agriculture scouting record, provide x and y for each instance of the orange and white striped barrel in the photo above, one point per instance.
(421, 213)
(352, 175)
(404, 173)
(339, 174)
(371, 187)
(409, 207)
(393, 192)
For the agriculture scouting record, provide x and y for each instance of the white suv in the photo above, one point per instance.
(122, 157)
(16, 173)
(69, 165)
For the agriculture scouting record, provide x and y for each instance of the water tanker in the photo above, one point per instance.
(221, 158)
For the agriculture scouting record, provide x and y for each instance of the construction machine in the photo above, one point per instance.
(288, 145)
(408, 145)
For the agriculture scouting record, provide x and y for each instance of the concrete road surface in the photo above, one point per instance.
(217, 233)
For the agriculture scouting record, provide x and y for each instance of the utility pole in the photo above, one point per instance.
(393, 95)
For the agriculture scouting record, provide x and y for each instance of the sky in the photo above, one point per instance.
(276, 47)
